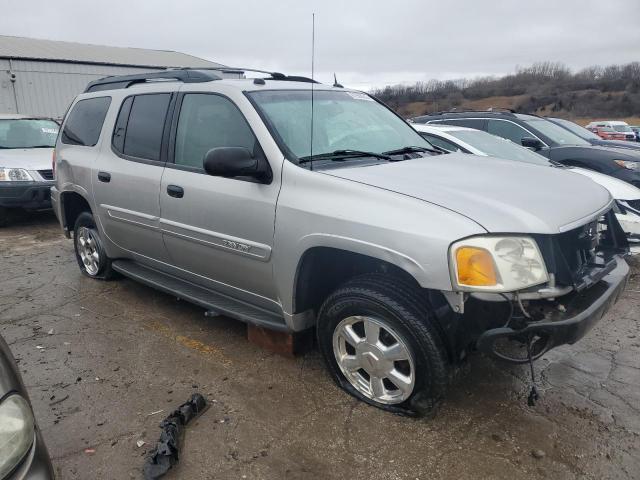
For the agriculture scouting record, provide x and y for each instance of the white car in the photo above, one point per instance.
(477, 142)
(26, 176)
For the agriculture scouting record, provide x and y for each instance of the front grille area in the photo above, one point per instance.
(577, 257)
(580, 246)
(46, 174)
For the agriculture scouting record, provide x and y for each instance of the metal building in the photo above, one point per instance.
(41, 77)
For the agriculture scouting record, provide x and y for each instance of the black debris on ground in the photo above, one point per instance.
(166, 452)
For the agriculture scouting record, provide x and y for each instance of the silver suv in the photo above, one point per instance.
(292, 205)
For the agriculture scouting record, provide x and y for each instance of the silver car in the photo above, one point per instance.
(23, 454)
(26, 176)
(293, 205)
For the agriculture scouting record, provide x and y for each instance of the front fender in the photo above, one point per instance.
(370, 249)
(318, 210)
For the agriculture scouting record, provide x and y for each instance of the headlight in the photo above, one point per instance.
(628, 164)
(16, 432)
(14, 175)
(497, 264)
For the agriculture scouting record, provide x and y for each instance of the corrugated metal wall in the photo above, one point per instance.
(47, 88)
(7, 94)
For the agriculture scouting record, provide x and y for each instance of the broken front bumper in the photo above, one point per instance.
(566, 325)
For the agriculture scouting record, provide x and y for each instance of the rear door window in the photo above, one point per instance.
(84, 122)
(145, 125)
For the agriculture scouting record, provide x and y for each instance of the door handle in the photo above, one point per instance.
(104, 177)
(175, 191)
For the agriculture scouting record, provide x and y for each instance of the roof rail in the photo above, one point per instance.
(186, 75)
(241, 71)
(471, 110)
(125, 81)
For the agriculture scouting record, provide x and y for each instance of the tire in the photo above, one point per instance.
(92, 259)
(407, 329)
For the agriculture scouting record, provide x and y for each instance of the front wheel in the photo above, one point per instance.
(380, 343)
(90, 254)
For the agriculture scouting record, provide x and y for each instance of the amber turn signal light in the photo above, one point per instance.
(475, 267)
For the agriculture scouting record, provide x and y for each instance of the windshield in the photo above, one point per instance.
(556, 133)
(28, 133)
(577, 129)
(341, 121)
(498, 147)
(622, 128)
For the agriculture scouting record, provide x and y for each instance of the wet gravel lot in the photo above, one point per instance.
(101, 358)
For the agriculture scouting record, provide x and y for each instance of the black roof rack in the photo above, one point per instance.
(471, 110)
(125, 81)
(186, 75)
(273, 75)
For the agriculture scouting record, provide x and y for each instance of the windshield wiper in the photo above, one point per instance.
(415, 149)
(338, 155)
(40, 146)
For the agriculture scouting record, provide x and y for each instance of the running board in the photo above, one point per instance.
(214, 302)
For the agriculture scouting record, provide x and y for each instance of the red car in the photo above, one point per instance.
(608, 133)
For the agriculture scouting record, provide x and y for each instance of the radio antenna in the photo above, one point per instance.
(313, 52)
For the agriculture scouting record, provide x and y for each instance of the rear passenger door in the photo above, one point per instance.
(79, 144)
(126, 179)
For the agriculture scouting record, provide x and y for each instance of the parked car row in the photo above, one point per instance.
(550, 139)
(477, 142)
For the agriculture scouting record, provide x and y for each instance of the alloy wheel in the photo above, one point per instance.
(88, 250)
(374, 359)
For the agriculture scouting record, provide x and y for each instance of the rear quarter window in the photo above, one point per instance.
(85, 120)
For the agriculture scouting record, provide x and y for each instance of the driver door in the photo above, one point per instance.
(218, 231)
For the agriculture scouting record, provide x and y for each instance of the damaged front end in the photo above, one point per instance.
(586, 275)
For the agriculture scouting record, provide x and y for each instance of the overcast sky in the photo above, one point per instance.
(367, 43)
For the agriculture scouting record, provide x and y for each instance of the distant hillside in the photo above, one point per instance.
(547, 88)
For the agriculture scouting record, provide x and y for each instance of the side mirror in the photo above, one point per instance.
(532, 143)
(234, 162)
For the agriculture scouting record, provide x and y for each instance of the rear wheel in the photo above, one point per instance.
(90, 254)
(380, 343)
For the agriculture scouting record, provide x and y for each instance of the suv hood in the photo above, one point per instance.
(27, 158)
(500, 195)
